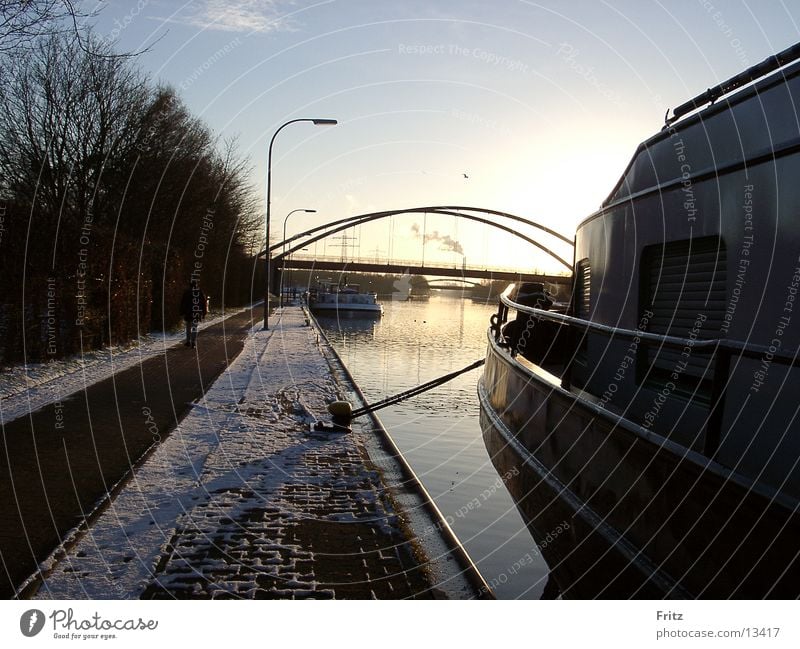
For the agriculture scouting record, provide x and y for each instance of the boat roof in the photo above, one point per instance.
(777, 77)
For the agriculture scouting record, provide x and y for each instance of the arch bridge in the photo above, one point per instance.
(284, 254)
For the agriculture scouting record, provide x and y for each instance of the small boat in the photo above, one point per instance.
(650, 429)
(420, 295)
(329, 298)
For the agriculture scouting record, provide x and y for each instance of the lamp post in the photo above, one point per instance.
(267, 255)
(287, 219)
(291, 275)
(284, 239)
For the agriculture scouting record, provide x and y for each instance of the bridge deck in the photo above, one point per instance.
(416, 268)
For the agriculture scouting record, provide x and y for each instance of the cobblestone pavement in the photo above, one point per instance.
(243, 501)
(322, 540)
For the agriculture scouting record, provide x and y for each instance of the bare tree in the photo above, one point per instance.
(65, 116)
(113, 193)
(23, 21)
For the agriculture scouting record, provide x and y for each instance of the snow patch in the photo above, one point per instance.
(27, 388)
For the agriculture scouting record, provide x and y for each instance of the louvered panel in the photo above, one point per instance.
(583, 286)
(684, 285)
(583, 305)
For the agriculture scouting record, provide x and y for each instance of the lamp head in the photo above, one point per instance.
(324, 122)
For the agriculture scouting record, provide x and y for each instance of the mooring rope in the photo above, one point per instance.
(402, 396)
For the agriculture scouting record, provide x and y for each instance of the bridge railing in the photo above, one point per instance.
(414, 263)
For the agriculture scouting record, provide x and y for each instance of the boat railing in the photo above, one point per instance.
(711, 95)
(722, 350)
(747, 349)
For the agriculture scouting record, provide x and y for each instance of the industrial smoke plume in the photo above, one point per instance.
(448, 243)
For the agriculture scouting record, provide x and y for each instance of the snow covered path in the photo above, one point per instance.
(26, 388)
(242, 501)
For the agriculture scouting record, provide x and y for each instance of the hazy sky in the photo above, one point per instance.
(540, 104)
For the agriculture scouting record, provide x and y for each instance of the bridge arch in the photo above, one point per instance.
(352, 221)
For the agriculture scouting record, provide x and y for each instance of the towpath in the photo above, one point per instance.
(241, 500)
(62, 460)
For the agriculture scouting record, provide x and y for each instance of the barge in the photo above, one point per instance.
(328, 299)
(657, 415)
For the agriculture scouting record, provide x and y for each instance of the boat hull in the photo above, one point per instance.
(332, 308)
(646, 517)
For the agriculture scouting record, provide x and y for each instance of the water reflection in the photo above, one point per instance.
(348, 325)
(439, 431)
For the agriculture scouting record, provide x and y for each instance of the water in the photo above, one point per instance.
(439, 432)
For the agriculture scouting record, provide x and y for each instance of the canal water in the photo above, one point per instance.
(439, 431)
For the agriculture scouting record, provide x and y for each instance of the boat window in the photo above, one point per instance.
(683, 294)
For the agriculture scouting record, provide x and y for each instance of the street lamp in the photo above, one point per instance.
(267, 255)
(291, 273)
(287, 218)
(284, 240)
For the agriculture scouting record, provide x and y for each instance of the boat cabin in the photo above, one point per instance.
(684, 317)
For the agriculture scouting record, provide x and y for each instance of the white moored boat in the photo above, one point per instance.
(330, 299)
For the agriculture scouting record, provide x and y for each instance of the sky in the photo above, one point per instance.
(533, 108)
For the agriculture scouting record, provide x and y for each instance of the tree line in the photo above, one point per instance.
(112, 195)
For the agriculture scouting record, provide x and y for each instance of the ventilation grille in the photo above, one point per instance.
(684, 286)
(583, 283)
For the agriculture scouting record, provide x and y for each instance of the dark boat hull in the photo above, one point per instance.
(346, 310)
(646, 517)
